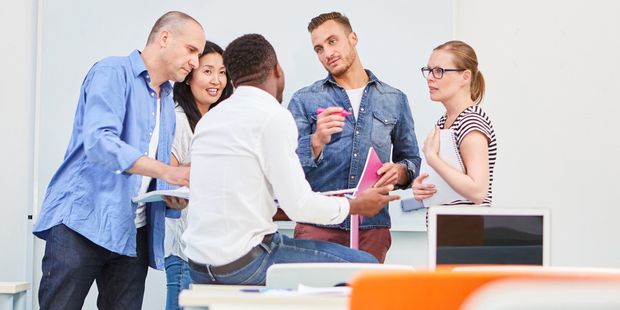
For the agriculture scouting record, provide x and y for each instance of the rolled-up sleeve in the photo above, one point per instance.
(304, 128)
(104, 110)
(405, 150)
(283, 171)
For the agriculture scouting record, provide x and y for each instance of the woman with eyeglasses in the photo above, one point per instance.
(454, 80)
(203, 89)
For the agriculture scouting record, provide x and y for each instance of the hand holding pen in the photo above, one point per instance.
(328, 122)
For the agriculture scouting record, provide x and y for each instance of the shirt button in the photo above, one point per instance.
(117, 172)
(362, 109)
(150, 133)
(152, 94)
(355, 155)
(352, 177)
(357, 132)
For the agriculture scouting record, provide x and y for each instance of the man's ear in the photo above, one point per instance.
(278, 70)
(353, 38)
(164, 38)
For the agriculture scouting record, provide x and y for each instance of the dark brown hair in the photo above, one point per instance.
(182, 92)
(335, 16)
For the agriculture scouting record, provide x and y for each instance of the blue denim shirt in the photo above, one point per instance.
(91, 191)
(384, 119)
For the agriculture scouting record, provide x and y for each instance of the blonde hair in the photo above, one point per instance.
(465, 58)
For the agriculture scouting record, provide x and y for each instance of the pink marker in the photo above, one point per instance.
(343, 113)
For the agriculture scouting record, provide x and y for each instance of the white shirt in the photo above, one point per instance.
(243, 154)
(355, 97)
(173, 244)
(140, 218)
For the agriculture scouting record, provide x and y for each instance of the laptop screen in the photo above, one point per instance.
(490, 237)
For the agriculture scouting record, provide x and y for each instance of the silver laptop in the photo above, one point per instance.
(488, 235)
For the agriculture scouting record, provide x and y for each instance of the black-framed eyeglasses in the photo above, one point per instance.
(437, 71)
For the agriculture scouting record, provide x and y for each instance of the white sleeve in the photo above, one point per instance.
(182, 139)
(283, 170)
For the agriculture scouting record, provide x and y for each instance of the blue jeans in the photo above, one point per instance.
(71, 263)
(283, 249)
(177, 279)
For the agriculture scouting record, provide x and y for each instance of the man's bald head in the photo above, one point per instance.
(172, 21)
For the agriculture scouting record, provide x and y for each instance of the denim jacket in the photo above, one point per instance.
(384, 119)
(91, 191)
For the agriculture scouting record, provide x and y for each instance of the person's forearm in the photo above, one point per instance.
(149, 167)
(466, 186)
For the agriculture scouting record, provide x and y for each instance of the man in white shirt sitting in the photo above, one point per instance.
(243, 155)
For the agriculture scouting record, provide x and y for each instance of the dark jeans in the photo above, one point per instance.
(71, 263)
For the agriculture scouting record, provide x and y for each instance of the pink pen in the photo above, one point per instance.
(344, 113)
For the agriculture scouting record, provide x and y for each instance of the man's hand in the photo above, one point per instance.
(328, 123)
(175, 202)
(422, 191)
(372, 200)
(153, 168)
(392, 174)
(177, 175)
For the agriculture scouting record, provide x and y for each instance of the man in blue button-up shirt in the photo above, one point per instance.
(360, 111)
(121, 141)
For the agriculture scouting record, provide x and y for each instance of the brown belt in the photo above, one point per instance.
(236, 264)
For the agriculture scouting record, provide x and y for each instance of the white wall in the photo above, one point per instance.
(77, 33)
(17, 85)
(553, 76)
(551, 69)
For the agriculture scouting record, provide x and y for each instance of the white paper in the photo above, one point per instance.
(449, 153)
(181, 192)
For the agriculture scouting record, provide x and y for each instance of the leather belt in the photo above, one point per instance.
(236, 264)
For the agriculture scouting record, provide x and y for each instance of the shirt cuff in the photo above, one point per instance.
(411, 174)
(343, 210)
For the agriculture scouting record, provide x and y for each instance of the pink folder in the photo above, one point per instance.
(368, 179)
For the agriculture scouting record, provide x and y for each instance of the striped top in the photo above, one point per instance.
(474, 118)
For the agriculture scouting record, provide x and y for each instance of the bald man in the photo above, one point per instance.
(120, 147)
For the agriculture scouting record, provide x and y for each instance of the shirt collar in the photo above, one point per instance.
(371, 78)
(137, 63)
(246, 90)
(139, 69)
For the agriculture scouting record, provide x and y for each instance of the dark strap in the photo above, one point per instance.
(236, 264)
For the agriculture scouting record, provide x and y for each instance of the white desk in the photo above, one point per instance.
(228, 297)
(13, 295)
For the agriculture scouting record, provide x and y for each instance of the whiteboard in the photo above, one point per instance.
(395, 40)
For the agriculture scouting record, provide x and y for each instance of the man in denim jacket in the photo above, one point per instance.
(359, 112)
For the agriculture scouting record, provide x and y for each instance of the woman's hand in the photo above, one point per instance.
(431, 145)
(422, 191)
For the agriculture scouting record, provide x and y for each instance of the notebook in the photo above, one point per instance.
(181, 192)
(367, 180)
(448, 152)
